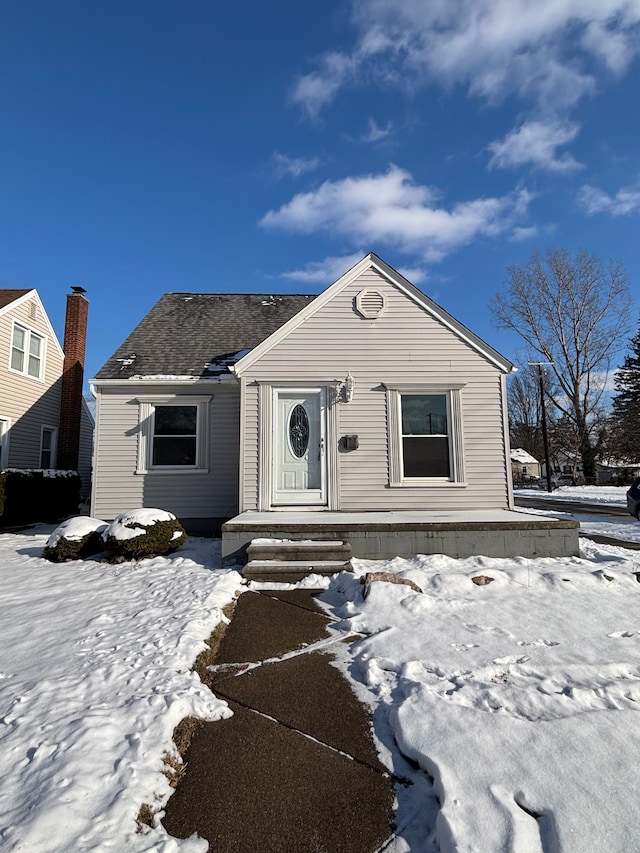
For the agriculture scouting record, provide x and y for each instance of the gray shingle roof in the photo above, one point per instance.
(198, 334)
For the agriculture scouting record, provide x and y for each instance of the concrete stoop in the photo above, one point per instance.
(290, 560)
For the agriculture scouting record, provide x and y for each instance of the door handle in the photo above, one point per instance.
(321, 448)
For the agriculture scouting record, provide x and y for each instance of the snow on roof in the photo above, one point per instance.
(520, 455)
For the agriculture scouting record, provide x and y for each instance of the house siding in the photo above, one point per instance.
(117, 486)
(405, 346)
(28, 402)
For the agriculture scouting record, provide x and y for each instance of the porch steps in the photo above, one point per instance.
(290, 560)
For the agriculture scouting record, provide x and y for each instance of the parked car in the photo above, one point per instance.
(565, 480)
(633, 498)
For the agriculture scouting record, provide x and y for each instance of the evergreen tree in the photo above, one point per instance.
(625, 415)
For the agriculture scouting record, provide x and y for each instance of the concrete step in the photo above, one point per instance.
(303, 550)
(319, 567)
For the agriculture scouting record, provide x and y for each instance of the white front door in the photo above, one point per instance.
(299, 457)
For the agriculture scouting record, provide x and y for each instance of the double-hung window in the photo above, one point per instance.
(174, 434)
(48, 447)
(27, 351)
(425, 435)
(5, 423)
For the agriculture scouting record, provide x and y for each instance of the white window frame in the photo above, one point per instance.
(54, 446)
(29, 333)
(145, 443)
(5, 429)
(454, 432)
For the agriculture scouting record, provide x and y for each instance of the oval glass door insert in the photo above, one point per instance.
(299, 431)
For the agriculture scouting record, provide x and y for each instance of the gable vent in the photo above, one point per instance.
(370, 304)
(33, 314)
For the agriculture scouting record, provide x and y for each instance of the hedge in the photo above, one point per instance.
(38, 496)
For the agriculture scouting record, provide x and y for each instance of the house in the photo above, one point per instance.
(567, 465)
(615, 472)
(367, 412)
(524, 467)
(44, 420)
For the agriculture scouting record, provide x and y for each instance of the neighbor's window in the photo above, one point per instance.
(27, 351)
(4, 442)
(48, 447)
(425, 441)
(425, 436)
(175, 430)
(174, 434)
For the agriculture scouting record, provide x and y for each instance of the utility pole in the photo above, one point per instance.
(543, 412)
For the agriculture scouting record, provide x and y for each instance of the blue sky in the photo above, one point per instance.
(151, 146)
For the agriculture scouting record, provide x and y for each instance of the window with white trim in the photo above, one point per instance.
(48, 446)
(174, 434)
(5, 424)
(27, 351)
(425, 436)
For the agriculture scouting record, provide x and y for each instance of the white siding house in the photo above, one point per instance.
(405, 362)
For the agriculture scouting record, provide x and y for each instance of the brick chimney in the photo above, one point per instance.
(75, 340)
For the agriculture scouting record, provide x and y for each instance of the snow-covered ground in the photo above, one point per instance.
(94, 674)
(518, 697)
(614, 495)
(626, 529)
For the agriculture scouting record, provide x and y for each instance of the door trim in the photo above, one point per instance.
(312, 497)
(267, 421)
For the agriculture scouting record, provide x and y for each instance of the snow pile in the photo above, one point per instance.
(519, 698)
(94, 675)
(135, 522)
(75, 529)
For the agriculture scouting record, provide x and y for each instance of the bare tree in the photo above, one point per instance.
(574, 312)
(523, 396)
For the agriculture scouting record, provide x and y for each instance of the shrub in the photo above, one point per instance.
(75, 539)
(143, 533)
(38, 495)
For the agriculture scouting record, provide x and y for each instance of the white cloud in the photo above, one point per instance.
(376, 134)
(317, 89)
(543, 49)
(416, 275)
(327, 271)
(391, 209)
(330, 269)
(625, 201)
(536, 142)
(295, 166)
(518, 235)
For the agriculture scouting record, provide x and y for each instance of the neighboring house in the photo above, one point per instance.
(44, 421)
(565, 464)
(524, 466)
(368, 398)
(613, 472)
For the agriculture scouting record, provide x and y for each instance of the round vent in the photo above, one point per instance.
(370, 304)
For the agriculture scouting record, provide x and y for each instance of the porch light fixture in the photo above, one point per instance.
(349, 387)
(346, 388)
